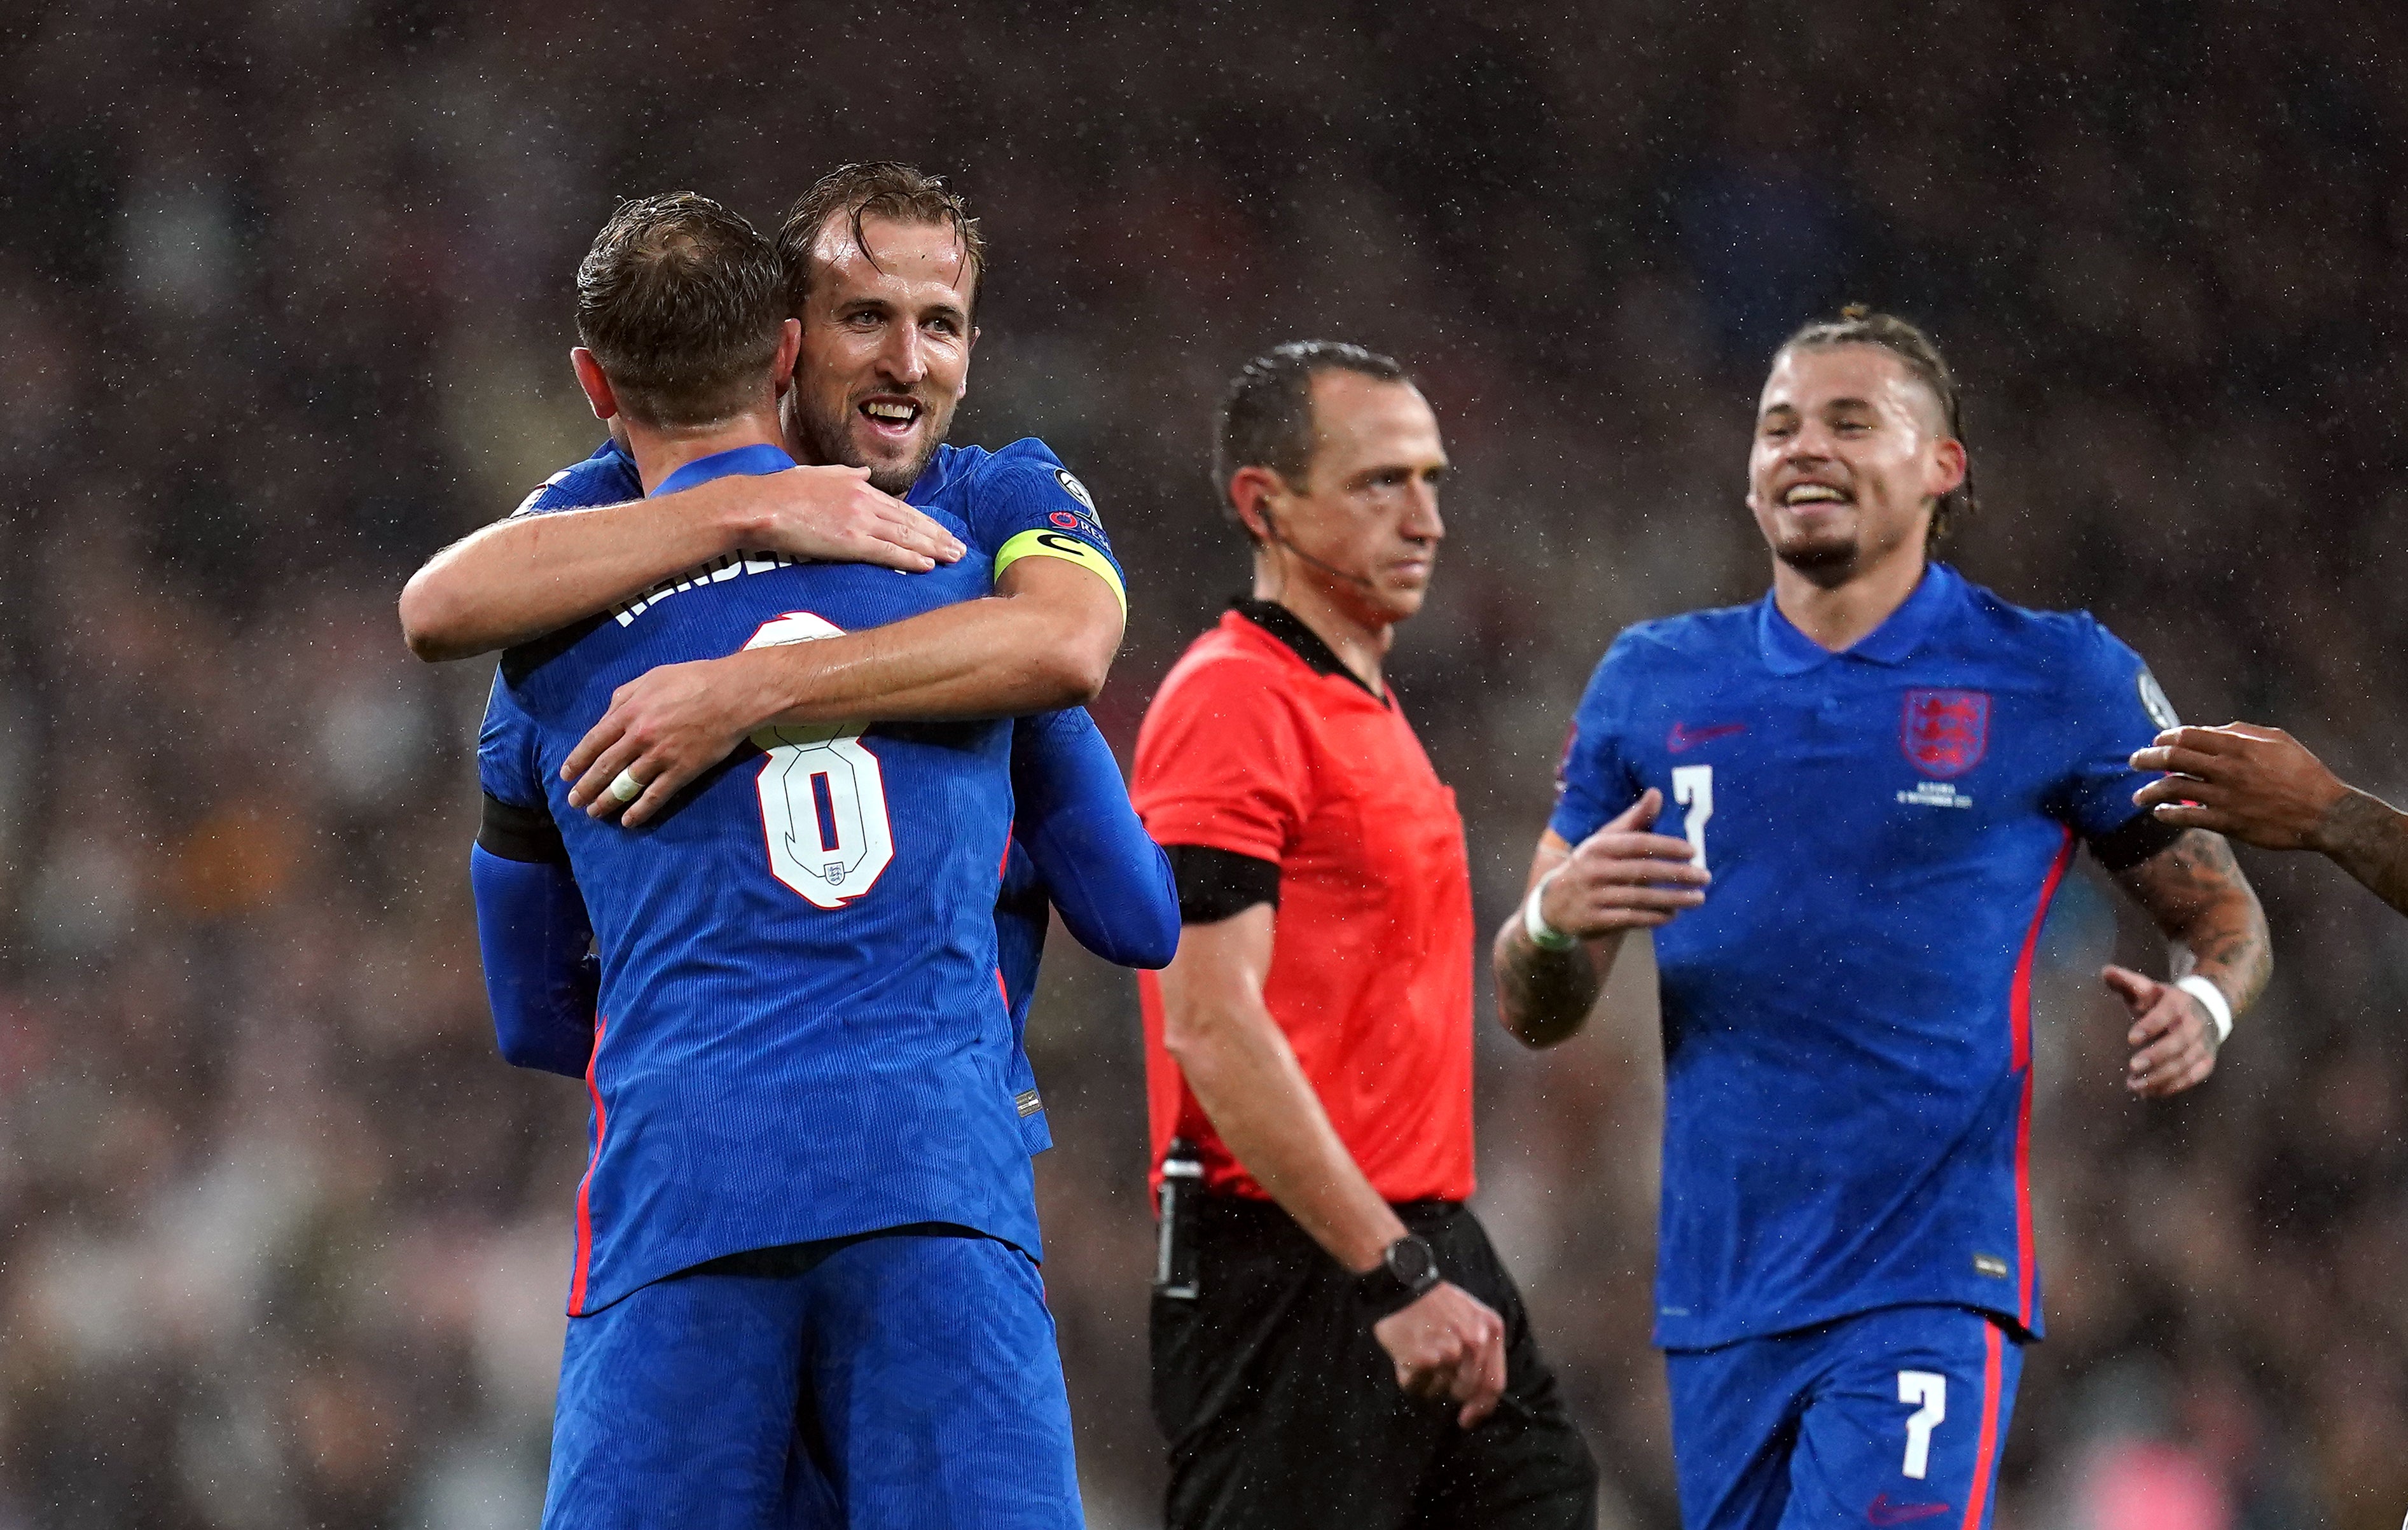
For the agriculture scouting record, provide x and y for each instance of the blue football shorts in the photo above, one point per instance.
(904, 1381)
(1893, 1417)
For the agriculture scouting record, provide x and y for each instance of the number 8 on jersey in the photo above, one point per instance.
(822, 796)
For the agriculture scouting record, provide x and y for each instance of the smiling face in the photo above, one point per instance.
(886, 348)
(1851, 453)
(1365, 519)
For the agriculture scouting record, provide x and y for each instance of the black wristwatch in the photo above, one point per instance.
(1406, 1272)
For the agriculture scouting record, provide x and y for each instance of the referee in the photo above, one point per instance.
(1338, 1344)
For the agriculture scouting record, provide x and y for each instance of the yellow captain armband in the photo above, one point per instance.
(1040, 543)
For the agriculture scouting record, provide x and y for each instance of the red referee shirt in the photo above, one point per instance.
(1260, 743)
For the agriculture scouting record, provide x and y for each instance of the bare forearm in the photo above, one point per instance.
(998, 656)
(1543, 996)
(2367, 838)
(1248, 1081)
(519, 579)
(2208, 913)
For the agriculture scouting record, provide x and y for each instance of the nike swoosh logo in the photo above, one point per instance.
(1683, 738)
(1882, 1511)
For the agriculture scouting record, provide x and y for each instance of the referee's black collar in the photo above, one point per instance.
(1302, 640)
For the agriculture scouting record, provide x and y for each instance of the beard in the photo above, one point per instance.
(1826, 560)
(826, 440)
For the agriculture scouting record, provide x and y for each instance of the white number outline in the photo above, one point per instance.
(1693, 787)
(856, 792)
(1929, 1389)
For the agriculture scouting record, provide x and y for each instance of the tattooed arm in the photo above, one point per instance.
(2196, 892)
(2263, 786)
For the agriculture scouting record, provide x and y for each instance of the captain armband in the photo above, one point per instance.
(1042, 544)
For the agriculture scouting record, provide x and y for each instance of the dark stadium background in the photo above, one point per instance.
(282, 309)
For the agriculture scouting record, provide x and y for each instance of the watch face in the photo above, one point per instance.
(1410, 1261)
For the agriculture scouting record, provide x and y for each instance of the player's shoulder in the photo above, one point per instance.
(1996, 624)
(1026, 463)
(1689, 636)
(605, 478)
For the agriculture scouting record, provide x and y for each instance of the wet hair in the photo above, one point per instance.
(1860, 325)
(681, 301)
(1266, 418)
(877, 188)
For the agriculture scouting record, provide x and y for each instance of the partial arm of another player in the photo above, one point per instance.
(1045, 638)
(2195, 891)
(1112, 883)
(2262, 786)
(1621, 878)
(531, 574)
(541, 973)
(1246, 1077)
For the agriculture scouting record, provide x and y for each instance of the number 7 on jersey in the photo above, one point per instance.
(1693, 787)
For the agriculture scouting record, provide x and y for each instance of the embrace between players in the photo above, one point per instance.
(784, 768)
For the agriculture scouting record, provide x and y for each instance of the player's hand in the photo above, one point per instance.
(831, 515)
(1624, 877)
(665, 727)
(2254, 784)
(1448, 1343)
(2173, 1036)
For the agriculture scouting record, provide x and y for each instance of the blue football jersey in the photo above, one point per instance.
(1847, 1026)
(997, 500)
(801, 1031)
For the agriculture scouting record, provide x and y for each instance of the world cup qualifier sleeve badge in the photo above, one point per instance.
(1945, 732)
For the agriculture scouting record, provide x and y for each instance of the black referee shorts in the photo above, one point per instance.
(1282, 1410)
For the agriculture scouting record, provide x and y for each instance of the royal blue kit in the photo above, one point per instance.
(804, 1039)
(1847, 1017)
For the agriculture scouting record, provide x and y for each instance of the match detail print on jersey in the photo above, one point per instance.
(1040, 543)
(823, 795)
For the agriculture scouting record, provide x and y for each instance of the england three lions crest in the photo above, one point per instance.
(1945, 732)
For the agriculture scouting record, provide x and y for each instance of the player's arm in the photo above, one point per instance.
(1112, 883)
(1552, 955)
(2195, 891)
(1045, 638)
(531, 574)
(1245, 1076)
(537, 940)
(2264, 788)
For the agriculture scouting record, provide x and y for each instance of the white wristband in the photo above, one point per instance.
(2211, 998)
(1546, 937)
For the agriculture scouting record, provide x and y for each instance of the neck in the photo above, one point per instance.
(1838, 617)
(659, 452)
(1359, 644)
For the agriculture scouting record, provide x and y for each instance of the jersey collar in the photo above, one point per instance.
(1788, 651)
(743, 459)
(1299, 640)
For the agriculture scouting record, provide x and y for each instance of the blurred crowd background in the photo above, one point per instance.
(283, 308)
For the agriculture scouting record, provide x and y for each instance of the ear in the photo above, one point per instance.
(596, 387)
(1250, 492)
(1947, 467)
(790, 350)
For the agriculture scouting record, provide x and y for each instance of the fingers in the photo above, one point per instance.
(1639, 817)
(1486, 1374)
(2175, 790)
(1639, 858)
(2201, 740)
(2178, 1057)
(606, 750)
(2136, 989)
(658, 789)
(580, 760)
